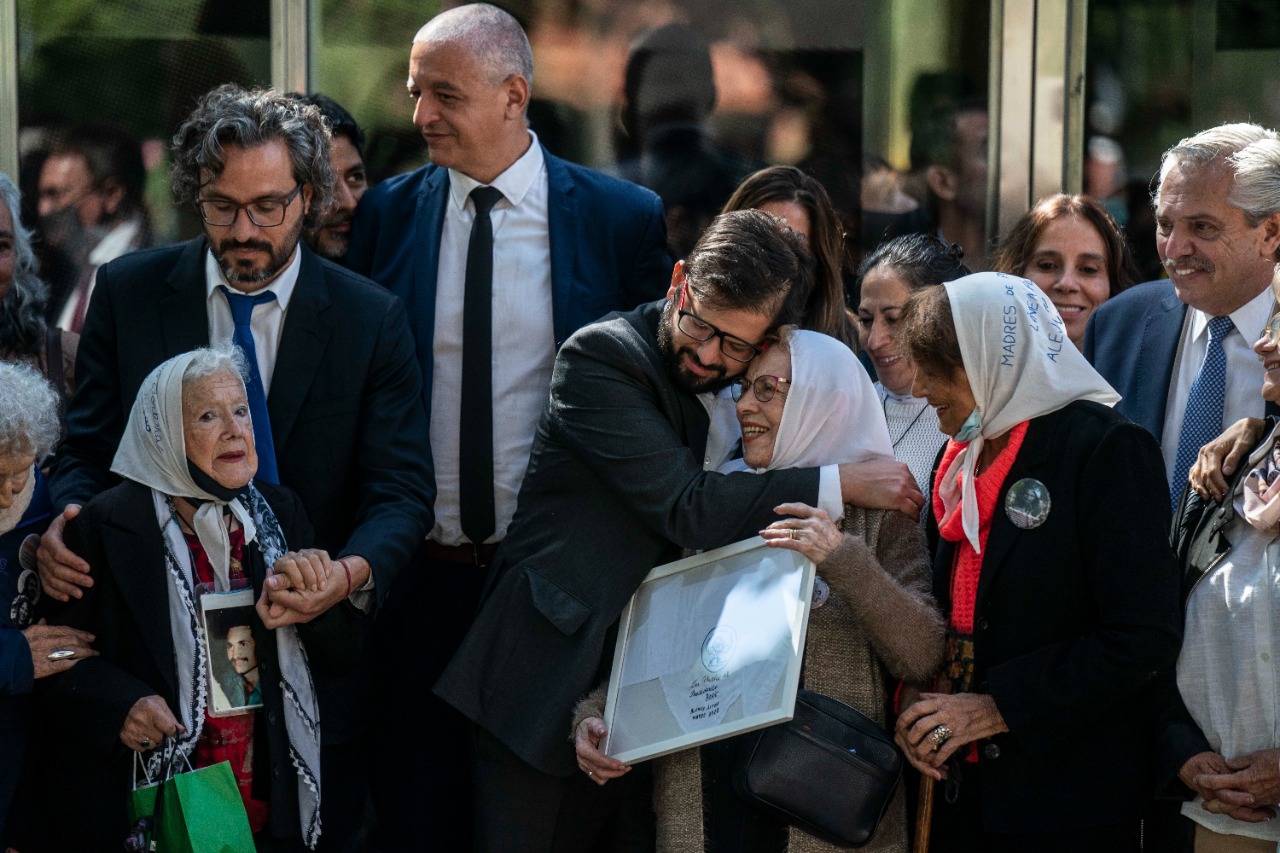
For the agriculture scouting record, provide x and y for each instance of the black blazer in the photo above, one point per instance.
(127, 609)
(615, 486)
(346, 407)
(1074, 619)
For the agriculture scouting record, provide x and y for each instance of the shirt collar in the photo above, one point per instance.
(282, 287)
(1249, 319)
(514, 183)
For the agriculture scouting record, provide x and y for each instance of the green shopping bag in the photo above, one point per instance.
(191, 811)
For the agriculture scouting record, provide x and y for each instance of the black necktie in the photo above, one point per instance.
(475, 468)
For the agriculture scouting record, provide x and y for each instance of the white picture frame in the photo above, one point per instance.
(708, 647)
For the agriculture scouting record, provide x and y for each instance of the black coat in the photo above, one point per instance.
(1073, 621)
(83, 709)
(346, 409)
(615, 486)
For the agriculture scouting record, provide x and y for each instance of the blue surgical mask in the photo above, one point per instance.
(971, 428)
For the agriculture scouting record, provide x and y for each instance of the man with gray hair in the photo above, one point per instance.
(500, 251)
(1180, 352)
(334, 386)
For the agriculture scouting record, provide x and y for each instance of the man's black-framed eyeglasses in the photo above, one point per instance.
(701, 331)
(764, 387)
(263, 212)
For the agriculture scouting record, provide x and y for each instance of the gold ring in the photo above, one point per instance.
(795, 534)
(939, 736)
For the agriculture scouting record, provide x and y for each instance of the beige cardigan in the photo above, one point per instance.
(879, 623)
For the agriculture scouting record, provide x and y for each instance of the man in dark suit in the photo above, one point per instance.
(566, 245)
(1218, 239)
(616, 486)
(1180, 352)
(334, 383)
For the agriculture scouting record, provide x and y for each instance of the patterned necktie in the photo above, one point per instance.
(1202, 420)
(242, 305)
(475, 439)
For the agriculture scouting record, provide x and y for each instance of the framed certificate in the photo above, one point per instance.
(708, 647)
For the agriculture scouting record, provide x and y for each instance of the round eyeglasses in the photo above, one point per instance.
(263, 212)
(764, 387)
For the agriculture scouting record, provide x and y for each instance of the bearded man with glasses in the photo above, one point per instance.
(615, 486)
(333, 386)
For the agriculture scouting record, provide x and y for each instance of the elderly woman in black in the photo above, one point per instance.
(1055, 574)
(189, 519)
(29, 650)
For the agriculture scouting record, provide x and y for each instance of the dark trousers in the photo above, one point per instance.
(958, 828)
(522, 810)
(344, 795)
(422, 773)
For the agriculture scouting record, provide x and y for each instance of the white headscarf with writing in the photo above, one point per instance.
(1020, 365)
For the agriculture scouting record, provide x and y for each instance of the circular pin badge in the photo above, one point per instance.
(29, 585)
(20, 612)
(1027, 503)
(821, 592)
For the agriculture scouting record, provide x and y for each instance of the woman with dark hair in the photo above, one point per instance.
(886, 279)
(800, 200)
(1054, 572)
(24, 335)
(1072, 248)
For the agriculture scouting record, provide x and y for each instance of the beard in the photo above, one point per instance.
(277, 259)
(327, 244)
(673, 360)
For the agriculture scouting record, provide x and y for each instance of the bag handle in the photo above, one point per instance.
(172, 752)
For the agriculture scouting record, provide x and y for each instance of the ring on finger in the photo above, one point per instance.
(939, 736)
(591, 773)
(793, 533)
(145, 743)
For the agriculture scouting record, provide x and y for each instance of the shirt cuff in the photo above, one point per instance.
(364, 598)
(829, 496)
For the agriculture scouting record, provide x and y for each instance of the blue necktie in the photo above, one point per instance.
(242, 306)
(1202, 420)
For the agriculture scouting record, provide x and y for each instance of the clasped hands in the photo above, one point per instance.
(304, 584)
(1246, 788)
(966, 716)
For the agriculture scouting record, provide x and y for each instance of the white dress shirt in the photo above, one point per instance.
(1227, 668)
(523, 336)
(1243, 397)
(267, 323)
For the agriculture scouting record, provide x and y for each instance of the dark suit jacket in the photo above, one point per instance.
(1074, 619)
(127, 611)
(345, 403)
(615, 486)
(1132, 340)
(608, 246)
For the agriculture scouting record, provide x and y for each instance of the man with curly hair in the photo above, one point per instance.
(333, 383)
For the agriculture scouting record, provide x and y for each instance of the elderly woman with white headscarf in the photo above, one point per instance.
(1055, 573)
(189, 519)
(807, 402)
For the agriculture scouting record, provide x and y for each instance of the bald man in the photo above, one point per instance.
(568, 245)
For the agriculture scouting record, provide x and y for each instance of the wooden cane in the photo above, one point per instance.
(924, 815)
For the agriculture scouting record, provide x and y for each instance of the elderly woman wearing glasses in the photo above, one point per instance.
(806, 402)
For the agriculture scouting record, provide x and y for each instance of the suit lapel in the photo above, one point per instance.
(184, 313)
(420, 301)
(1160, 336)
(562, 225)
(307, 327)
(1035, 450)
(140, 572)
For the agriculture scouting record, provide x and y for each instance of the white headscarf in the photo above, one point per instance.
(1020, 365)
(153, 452)
(832, 414)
